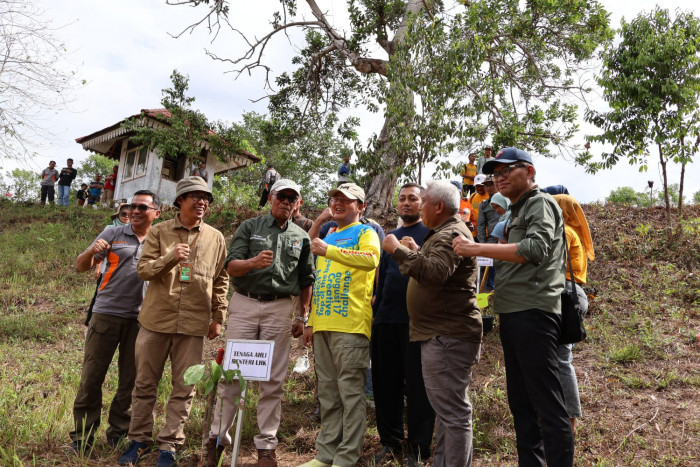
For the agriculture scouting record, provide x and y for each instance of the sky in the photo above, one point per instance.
(126, 54)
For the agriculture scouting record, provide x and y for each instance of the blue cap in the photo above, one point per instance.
(506, 156)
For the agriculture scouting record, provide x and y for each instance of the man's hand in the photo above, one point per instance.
(99, 246)
(409, 243)
(464, 247)
(319, 247)
(308, 336)
(181, 252)
(214, 330)
(297, 328)
(390, 243)
(325, 216)
(263, 259)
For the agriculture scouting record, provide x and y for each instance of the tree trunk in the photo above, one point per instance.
(662, 161)
(380, 191)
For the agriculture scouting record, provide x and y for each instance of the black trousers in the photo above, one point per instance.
(263, 198)
(49, 190)
(397, 372)
(542, 427)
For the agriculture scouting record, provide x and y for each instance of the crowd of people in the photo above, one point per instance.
(406, 300)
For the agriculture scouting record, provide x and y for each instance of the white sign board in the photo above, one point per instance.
(254, 358)
(483, 261)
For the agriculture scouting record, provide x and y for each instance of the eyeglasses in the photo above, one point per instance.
(338, 200)
(203, 197)
(281, 197)
(123, 214)
(140, 207)
(505, 171)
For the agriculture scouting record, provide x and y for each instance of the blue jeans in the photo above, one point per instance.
(63, 195)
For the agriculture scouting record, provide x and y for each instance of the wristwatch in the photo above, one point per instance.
(302, 318)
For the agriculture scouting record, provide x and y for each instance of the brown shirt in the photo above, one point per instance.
(441, 294)
(176, 307)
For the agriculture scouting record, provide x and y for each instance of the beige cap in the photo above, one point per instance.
(350, 190)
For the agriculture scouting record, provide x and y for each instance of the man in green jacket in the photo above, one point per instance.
(530, 281)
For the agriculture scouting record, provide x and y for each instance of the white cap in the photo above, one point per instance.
(479, 179)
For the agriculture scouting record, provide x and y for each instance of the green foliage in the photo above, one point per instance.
(696, 198)
(95, 164)
(627, 195)
(183, 131)
(651, 81)
(22, 184)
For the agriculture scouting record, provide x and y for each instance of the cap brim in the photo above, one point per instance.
(349, 195)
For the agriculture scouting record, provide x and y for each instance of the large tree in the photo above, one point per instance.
(513, 71)
(32, 79)
(651, 82)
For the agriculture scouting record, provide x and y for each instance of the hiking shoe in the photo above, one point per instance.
(385, 453)
(166, 459)
(134, 452)
(81, 447)
(267, 458)
(214, 453)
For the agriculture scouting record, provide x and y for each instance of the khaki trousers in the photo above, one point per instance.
(341, 368)
(256, 320)
(152, 351)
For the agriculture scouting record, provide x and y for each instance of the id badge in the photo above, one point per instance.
(185, 272)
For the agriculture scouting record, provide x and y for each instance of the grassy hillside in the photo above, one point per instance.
(639, 371)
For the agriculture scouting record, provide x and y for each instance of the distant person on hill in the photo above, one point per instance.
(201, 171)
(344, 171)
(271, 176)
(580, 242)
(530, 281)
(95, 190)
(269, 261)
(65, 179)
(113, 324)
(477, 198)
(484, 159)
(49, 176)
(82, 194)
(107, 195)
(183, 259)
(468, 173)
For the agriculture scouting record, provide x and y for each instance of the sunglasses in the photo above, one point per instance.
(140, 207)
(123, 214)
(281, 197)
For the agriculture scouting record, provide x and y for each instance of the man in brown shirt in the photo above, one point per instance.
(444, 318)
(183, 260)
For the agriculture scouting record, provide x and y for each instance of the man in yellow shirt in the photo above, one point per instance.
(340, 325)
(468, 174)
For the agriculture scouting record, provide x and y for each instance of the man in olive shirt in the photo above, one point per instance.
(269, 261)
(530, 281)
(183, 260)
(444, 318)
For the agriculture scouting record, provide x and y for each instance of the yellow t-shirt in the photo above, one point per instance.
(468, 171)
(476, 200)
(342, 293)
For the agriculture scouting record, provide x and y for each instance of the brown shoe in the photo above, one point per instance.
(214, 453)
(267, 458)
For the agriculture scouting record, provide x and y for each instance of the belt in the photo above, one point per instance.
(262, 297)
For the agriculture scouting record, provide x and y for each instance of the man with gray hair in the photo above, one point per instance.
(444, 318)
(269, 261)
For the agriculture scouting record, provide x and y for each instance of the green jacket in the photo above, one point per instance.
(537, 227)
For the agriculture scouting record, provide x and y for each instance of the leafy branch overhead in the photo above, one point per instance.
(651, 83)
(448, 75)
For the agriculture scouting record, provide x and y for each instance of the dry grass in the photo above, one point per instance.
(639, 371)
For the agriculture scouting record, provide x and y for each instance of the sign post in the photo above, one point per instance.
(254, 360)
(482, 261)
